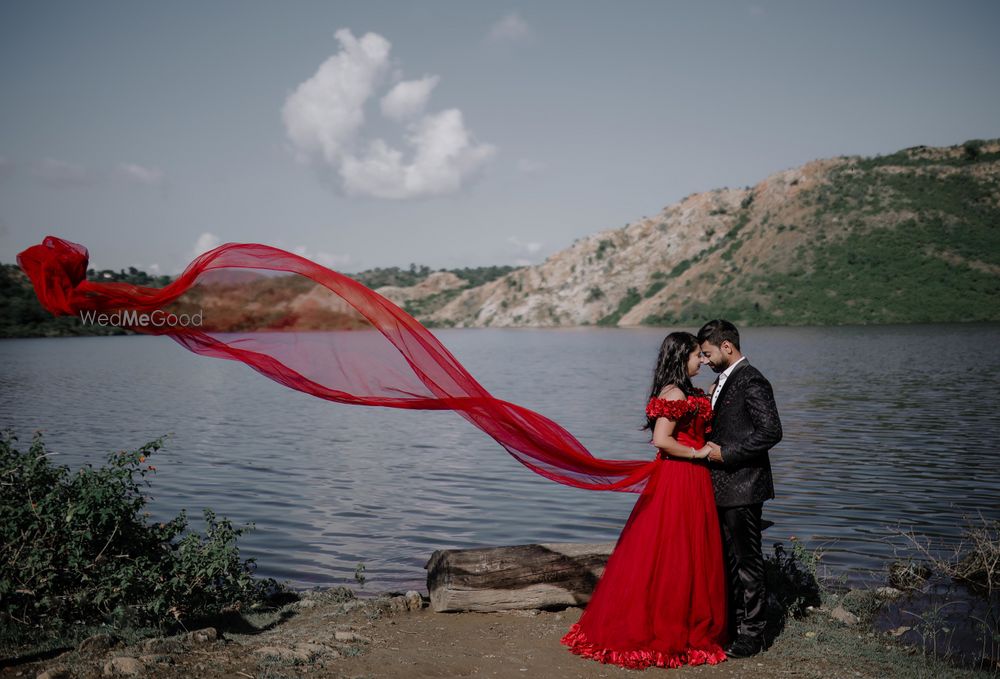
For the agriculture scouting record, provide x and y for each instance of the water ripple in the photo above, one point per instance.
(885, 428)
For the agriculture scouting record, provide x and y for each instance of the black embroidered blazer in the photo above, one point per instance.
(746, 426)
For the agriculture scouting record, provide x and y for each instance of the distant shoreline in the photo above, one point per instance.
(590, 328)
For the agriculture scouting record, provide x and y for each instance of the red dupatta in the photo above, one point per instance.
(391, 361)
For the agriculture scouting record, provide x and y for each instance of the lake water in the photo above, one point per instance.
(884, 427)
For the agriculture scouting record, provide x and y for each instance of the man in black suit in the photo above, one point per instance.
(745, 427)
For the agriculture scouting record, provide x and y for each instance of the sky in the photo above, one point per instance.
(449, 134)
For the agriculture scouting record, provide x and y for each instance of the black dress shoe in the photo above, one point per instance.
(744, 647)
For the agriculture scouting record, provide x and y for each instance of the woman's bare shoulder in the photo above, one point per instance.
(672, 392)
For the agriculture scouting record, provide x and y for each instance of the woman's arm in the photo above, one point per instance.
(663, 433)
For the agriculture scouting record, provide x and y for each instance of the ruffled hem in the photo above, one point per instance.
(640, 659)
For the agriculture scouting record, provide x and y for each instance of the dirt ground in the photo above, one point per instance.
(383, 638)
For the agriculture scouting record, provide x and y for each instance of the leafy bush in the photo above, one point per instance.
(792, 579)
(21, 314)
(625, 304)
(654, 288)
(77, 548)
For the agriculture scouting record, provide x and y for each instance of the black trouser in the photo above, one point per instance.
(745, 565)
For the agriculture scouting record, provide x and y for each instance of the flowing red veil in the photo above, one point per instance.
(391, 361)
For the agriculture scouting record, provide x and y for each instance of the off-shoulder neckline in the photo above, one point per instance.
(678, 400)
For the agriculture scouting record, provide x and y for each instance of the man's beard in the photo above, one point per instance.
(720, 368)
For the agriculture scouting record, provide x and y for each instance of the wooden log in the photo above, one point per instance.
(515, 577)
(546, 575)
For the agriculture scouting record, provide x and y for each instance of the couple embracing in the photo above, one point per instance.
(685, 583)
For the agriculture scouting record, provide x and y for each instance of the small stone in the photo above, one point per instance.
(843, 615)
(160, 645)
(123, 665)
(414, 601)
(54, 672)
(156, 659)
(397, 604)
(282, 653)
(202, 636)
(313, 648)
(97, 644)
(810, 635)
(351, 636)
(888, 592)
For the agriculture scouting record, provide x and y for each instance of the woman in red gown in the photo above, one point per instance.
(661, 600)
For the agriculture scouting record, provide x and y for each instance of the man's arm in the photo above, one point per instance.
(763, 412)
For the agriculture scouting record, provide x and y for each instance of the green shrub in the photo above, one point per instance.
(625, 304)
(793, 579)
(654, 288)
(77, 548)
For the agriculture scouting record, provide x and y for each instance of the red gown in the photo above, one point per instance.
(661, 600)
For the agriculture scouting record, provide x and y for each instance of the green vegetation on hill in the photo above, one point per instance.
(393, 275)
(21, 315)
(911, 237)
(908, 237)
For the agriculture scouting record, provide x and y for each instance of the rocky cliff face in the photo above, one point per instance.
(435, 284)
(622, 276)
(812, 244)
(910, 237)
(587, 282)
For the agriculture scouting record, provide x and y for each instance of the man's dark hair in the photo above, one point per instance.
(718, 331)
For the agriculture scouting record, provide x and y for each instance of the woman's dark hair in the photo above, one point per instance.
(671, 367)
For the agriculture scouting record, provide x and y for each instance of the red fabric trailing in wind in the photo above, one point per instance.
(396, 363)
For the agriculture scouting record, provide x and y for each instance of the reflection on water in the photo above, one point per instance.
(883, 426)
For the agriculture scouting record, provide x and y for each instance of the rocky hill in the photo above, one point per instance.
(909, 237)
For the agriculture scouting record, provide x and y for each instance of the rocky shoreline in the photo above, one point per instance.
(333, 633)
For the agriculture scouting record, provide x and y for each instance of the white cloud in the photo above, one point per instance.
(325, 115)
(206, 241)
(408, 98)
(330, 261)
(139, 174)
(512, 28)
(444, 155)
(325, 112)
(62, 174)
(531, 247)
